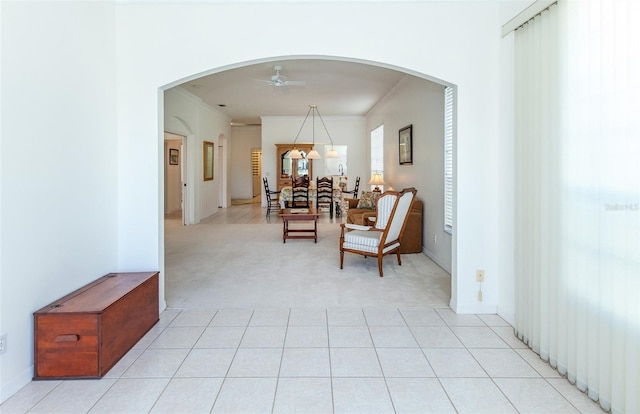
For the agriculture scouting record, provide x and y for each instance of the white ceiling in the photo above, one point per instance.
(338, 88)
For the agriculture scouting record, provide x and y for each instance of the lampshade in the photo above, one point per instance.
(332, 153)
(294, 154)
(376, 179)
(313, 154)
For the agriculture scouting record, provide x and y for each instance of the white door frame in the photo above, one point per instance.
(184, 200)
(177, 126)
(184, 167)
(222, 171)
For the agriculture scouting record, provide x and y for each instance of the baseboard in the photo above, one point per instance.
(437, 261)
(508, 316)
(474, 308)
(15, 384)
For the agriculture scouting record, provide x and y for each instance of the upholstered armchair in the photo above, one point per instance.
(385, 235)
(412, 238)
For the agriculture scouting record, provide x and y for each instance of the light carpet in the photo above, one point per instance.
(248, 266)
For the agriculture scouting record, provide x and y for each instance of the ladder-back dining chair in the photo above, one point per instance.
(324, 194)
(354, 192)
(299, 192)
(273, 197)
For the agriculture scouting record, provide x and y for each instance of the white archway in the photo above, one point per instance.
(222, 144)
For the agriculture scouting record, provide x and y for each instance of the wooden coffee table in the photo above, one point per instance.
(299, 214)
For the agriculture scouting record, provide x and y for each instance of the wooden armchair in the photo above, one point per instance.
(384, 236)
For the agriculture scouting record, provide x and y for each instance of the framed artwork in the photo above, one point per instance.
(405, 149)
(207, 160)
(173, 156)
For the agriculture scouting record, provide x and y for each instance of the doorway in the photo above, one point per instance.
(256, 171)
(238, 162)
(174, 173)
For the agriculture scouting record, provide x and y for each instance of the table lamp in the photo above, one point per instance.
(376, 179)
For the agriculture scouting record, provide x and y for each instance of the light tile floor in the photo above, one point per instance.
(382, 360)
(303, 360)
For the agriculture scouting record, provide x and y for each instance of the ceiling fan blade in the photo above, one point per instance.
(278, 80)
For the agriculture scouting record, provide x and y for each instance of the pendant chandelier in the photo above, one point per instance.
(313, 154)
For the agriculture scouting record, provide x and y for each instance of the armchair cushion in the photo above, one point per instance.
(363, 240)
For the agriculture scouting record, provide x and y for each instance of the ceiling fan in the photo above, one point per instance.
(279, 80)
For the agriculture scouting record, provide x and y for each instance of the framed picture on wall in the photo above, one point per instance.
(207, 160)
(405, 149)
(173, 156)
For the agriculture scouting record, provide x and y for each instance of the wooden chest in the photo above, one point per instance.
(85, 333)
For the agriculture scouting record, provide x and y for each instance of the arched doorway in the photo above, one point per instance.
(428, 235)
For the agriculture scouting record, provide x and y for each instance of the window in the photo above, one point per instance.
(377, 152)
(336, 166)
(448, 159)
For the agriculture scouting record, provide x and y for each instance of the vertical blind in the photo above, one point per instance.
(448, 158)
(577, 256)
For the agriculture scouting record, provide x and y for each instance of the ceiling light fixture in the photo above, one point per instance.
(313, 154)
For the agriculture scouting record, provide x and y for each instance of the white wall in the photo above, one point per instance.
(59, 211)
(348, 130)
(186, 114)
(214, 127)
(511, 8)
(420, 103)
(243, 140)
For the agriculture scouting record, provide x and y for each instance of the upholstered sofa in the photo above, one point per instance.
(412, 237)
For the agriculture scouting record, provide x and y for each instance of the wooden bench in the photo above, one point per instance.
(85, 333)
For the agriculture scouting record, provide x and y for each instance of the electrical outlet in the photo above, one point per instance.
(3, 343)
(479, 296)
(480, 276)
(435, 239)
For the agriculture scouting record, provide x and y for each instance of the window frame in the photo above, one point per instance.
(377, 160)
(448, 173)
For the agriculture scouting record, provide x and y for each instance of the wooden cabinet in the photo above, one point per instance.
(85, 333)
(288, 168)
